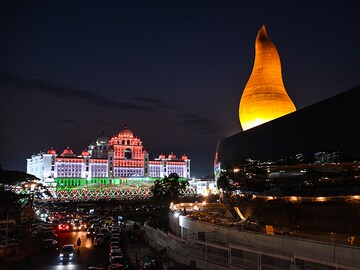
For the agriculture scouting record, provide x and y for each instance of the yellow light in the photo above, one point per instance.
(236, 170)
(205, 194)
(320, 199)
(264, 97)
(294, 199)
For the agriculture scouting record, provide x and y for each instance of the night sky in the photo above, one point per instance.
(174, 71)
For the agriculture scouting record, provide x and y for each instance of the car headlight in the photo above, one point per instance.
(71, 254)
(61, 255)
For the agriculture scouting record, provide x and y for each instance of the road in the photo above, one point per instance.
(88, 256)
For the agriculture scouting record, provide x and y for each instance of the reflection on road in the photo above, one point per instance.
(88, 255)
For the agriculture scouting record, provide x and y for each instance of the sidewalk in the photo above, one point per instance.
(25, 251)
(142, 256)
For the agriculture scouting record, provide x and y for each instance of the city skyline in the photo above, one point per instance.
(174, 72)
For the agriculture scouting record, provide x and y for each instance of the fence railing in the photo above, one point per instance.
(209, 255)
(122, 192)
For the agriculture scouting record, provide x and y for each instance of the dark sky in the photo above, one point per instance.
(174, 71)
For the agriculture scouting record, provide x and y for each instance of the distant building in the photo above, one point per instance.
(123, 156)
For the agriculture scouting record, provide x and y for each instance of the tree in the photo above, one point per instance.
(223, 181)
(165, 192)
(168, 189)
(13, 177)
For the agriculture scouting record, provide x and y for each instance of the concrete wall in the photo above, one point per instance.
(346, 255)
(226, 248)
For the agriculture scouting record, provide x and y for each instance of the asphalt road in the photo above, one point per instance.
(88, 255)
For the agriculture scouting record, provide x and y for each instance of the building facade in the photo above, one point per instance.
(123, 156)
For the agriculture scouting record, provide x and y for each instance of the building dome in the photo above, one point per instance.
(67, 152)
(85, 153)
(264, 97)
(51, 151)
(126, 133)
(184, 157)
(172, 156)
(162, 156)
(102, 139)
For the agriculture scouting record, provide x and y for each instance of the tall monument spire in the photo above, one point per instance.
(264, 97)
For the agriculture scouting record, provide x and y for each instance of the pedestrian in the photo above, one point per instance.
(78, 243)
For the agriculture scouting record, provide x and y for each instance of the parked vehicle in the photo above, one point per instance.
(105, 231)
(50, 244)
(99, 239)
(90, 232)
(117, 260)
(115, 252)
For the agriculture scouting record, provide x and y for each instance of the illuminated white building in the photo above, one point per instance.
(122, 156)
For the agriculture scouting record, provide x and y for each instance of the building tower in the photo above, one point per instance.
(128, 154)
(264, 97)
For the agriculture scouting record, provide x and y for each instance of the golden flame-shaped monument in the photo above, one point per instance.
(264, 97)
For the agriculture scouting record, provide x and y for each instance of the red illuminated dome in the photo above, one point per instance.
(67, 152)
(184, 157)
(162, 156)
(51, 151)
(85, 153)
(172, 156)
(126, 133)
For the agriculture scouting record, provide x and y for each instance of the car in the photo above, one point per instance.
(102, 223)
(115, 252)
(116, 266)
(117, 260)
(50, 244)
(90, 232)
(99, 239)
(113, 248)
(115, 239)
(116, 235)
(115, 230)
(63, 227)
(96, 226)
(105, 231)
(114, 243)
(67, 252)
(47, 235)
(77, 226)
